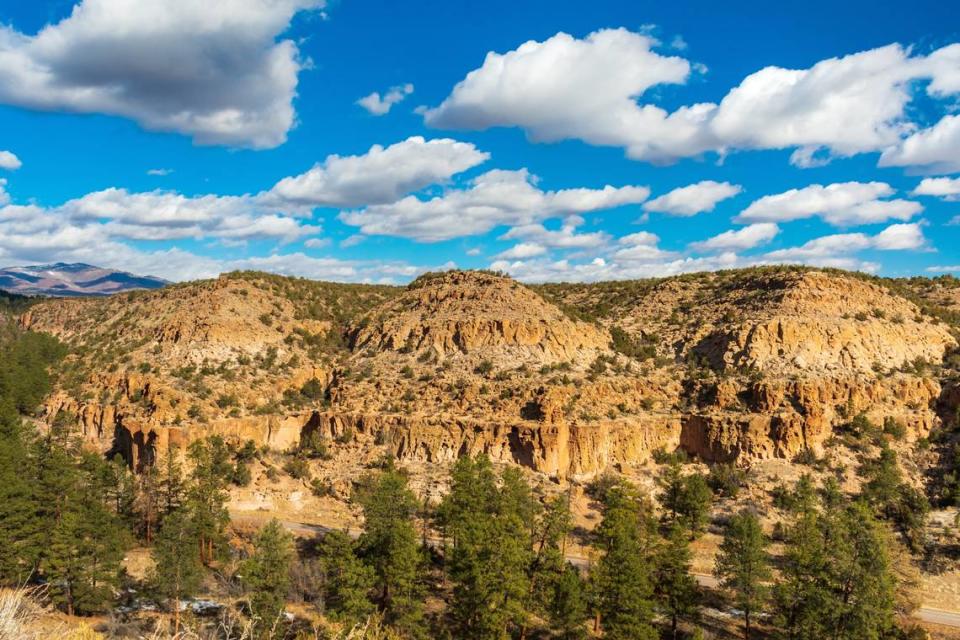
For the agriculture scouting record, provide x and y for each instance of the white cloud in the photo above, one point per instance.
(597, 269)
(212, 70)
(693, 199)
(944, 66)
(566, 87)
(748, 237)
(493, 199)
(593, 89)
(380, 176)
(900, 237)
(896, 237)
(352, 240)
(933, 149)
(955, 268)
(522, 250)
(4, 196)
(155, 215)
(564, 238)
(159, 172)
(840, 204)
(9, 161)
(946, 188)
(843, 106)
(375, 105)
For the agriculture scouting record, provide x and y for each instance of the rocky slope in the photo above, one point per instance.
(565, 379)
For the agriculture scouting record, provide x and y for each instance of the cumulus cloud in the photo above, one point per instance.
(596, 90)
(522, 250)
(896, 237)
(215, 71)
(841, 204)
(748, 237)
(564, 238)
(946, 188)
(693, 199)
(566, 87)
(380, 176)
(933, 149)
(159, 172)
(380, 106)
(9, 161)
(495, 198)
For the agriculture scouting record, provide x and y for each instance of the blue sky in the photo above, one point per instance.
(595, 141)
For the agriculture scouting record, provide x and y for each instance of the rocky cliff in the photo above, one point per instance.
(567, 379)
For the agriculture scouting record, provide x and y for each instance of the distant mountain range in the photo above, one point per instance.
(72, 280)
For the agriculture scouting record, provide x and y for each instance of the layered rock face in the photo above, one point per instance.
(739, 366)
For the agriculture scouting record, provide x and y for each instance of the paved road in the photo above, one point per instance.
(926, 614)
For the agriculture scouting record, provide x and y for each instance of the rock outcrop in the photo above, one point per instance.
(736, 366)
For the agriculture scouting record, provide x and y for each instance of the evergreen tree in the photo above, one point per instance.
(178, 570)
(389, 545)
(838, 579)
(492, 553)
(206, 496)
(742, 566)
(567, 605)
(87, 541)
(147, 501)
(677, 590)
(894, 499)
(621, 581)
(170, 483)
(267, 575)
(19, 518)
(348, 581)
(685, 498)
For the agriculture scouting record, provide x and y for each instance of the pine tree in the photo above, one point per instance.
(677, 590)
(146, 504)
(19, 519)
(742, 566)
(491, 556)
(838, 577)
(567, 605)
(389, 545)
(267, 575)
(170, 483)
(621, 581)
(86, 546)
(348, 581)
(685, 498)
(549, 563)
(206, 497)
(178, 570)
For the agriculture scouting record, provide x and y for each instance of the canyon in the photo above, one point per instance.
(566, 380)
